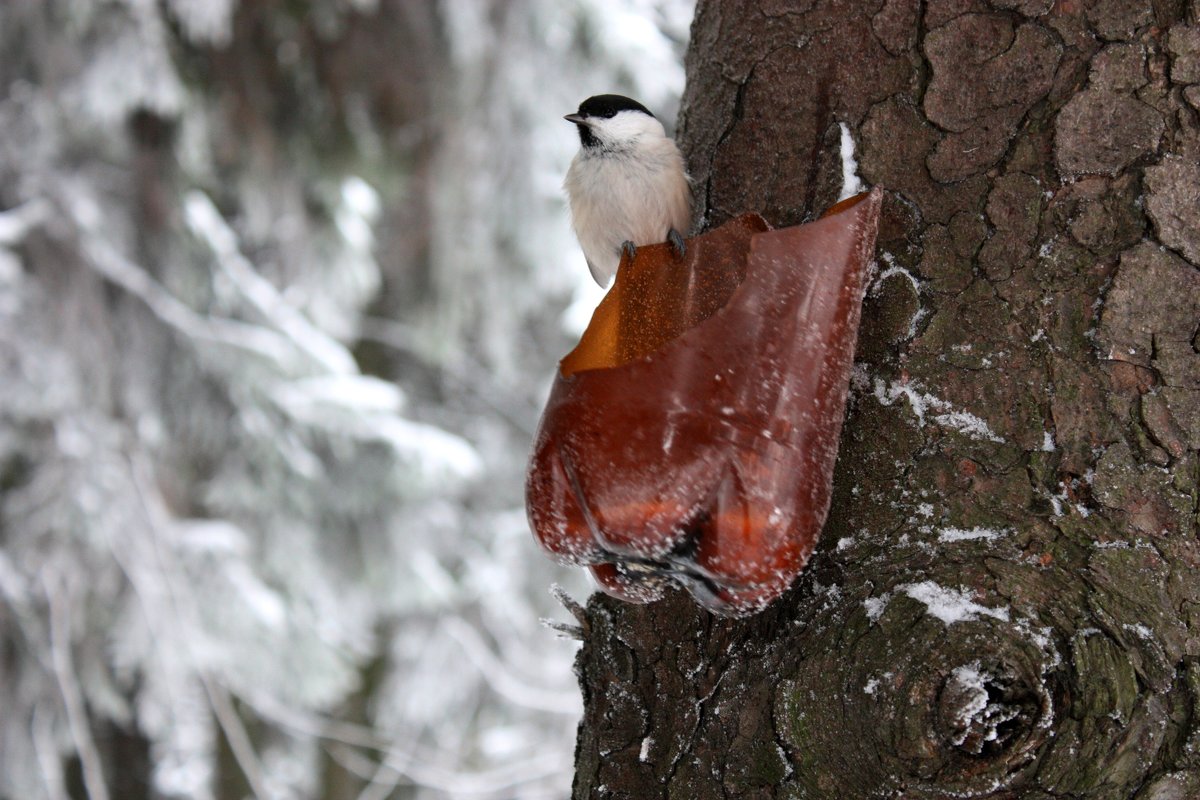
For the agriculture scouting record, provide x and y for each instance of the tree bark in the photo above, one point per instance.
(1004, 602)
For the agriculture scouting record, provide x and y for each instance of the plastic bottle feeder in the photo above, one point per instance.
(691, 435)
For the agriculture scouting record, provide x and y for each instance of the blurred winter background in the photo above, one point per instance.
(282, 286)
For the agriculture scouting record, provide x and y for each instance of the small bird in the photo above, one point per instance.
(627, 185)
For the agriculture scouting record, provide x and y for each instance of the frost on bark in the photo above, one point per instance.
(1004, 602)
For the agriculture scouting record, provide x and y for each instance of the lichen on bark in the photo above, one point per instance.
(1003, 603)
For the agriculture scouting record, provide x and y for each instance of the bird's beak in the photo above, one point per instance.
(578, 119)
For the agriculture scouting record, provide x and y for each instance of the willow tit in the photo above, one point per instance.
(627, 185)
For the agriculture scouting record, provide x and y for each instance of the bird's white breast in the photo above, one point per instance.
(637, 194)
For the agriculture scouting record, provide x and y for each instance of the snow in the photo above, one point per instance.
(1042, 637)
(17, 222)
(950, 605)
(206, 222)
(1048, 442)
(212, 536)
(895, 269)
(971, 681)
(253, 595)
(358, 213)
(967, 423)
(1139, 629)
(644, 753)
(365, 408)
(851, 183)
(13, 584)
(133, 71)
(875, 606)
(961, 534)
(923, 403)
(359, 393)
(441, 455)
(1057, 500)
(205, 22)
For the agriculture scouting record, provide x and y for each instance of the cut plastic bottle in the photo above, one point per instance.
(691, 435)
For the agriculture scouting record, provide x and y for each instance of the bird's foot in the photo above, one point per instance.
(676, 240)
(629, 249)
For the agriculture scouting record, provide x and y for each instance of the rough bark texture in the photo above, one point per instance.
(1005, 601)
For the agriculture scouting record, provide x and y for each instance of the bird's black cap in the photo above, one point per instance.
(609, 105)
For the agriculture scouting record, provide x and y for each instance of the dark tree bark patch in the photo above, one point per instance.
(896, 25)
(1119, 20)
(1102, 132)
(1173, 203)
(1183, 44)
(986, 76)
(1154, 300)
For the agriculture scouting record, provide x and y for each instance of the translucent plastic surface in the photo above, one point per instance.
(691, 435)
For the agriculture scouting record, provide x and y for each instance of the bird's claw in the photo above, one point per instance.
(629, 249)
(676, 240)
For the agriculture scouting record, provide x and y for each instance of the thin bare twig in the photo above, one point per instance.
(72, 695)
(492, 784)
(564, 629)
(572, 605)
(473, 379)
(223, 710)
(41, 727)
(501, 678)
(235, 733)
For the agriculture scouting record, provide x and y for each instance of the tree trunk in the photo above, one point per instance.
(1004, 602)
